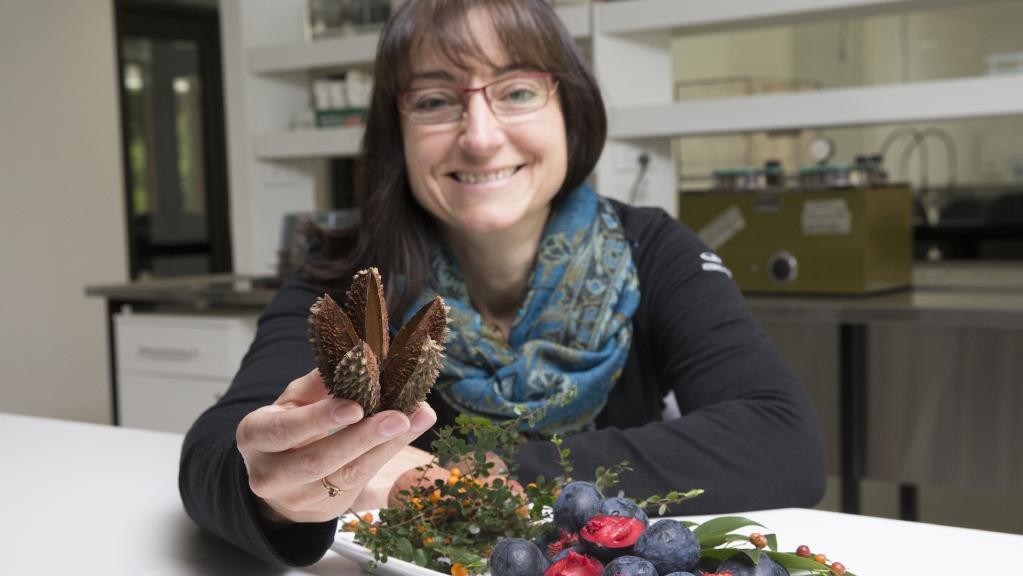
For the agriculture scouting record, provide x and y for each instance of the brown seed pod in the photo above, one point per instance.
(331, 334)
(357, 378)
(368, 311)
(408, 350)
(421, 382)
(351, 346)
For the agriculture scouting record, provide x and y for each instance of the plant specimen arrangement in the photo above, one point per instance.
(468, 517)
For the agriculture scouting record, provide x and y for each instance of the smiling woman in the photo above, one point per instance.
(483, 127)
(443, 44)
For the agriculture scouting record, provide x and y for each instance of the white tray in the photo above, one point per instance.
(344, 544)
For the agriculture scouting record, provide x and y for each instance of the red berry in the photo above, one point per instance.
(820, 558)
(803, 551)
(837, 568)
(758, 540)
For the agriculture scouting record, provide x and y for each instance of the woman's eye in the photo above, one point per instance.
(518, 95)
(433, 102)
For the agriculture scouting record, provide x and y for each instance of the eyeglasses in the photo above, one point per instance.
(513, 96)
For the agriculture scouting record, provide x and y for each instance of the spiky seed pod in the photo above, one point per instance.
(331, 334)
(407, 351)
(368, 311)
(357, 378)
(421, 381)
(425, 321)
(351, 346)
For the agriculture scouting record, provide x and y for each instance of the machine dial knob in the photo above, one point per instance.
(782, 267)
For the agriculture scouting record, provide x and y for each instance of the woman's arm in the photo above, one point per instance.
(253, 466)
(748, 434)
(212, 477)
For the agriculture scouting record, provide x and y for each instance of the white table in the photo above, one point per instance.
(83, 499)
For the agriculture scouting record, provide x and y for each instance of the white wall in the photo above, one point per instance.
(61, 207)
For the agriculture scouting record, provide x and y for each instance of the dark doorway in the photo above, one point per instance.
(172, 125)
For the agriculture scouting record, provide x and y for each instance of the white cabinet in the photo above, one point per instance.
(172, 367)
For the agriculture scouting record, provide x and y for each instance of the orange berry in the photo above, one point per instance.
(372, 529)
(367, 517)
(434, 497)
(427, 540)
(452, 480)
(531, 485)
(820, 558)
(522, 511)
(455, 472)
(421, 528)
(458, 569)
(758, 540)
(447, 540)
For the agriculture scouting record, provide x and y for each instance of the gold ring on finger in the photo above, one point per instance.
(332, 490)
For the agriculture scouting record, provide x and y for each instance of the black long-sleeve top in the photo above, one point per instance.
(748, 433)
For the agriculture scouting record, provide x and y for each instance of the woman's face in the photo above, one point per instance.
(483, 173)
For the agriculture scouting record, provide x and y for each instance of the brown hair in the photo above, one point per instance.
(394, 228)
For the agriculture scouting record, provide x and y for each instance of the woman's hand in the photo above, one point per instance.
(289, 450)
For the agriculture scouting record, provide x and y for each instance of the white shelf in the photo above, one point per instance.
(691, 16)
(312, 143)
(915, 102)
(359, 51)
(347, 52)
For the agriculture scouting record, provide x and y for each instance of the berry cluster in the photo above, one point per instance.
(465, 521)
(837, 568)
(596, 536)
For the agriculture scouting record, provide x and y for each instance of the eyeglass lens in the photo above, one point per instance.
(508, 97)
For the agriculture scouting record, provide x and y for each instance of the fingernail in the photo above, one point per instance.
(421, 421)
(392, 425)
(347, 413)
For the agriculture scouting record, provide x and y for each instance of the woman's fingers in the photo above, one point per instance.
(285, 482)
(276, 428)
(303, 390)
(301, 414)
(322, 457)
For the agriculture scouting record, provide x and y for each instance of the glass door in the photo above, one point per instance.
(173, 138)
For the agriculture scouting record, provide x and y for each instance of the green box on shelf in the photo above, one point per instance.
(341, 117)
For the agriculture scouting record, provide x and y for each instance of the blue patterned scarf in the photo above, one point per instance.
(572, 331)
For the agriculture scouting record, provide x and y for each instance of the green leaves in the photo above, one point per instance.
(713, 533)
(662, 502)
(608, 477)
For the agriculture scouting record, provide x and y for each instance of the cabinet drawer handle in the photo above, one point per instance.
(168, 353)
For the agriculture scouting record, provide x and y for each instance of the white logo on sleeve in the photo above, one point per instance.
(713, 263)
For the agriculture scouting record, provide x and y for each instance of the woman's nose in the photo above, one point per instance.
(482, 133)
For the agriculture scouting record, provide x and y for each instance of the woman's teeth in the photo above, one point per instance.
(479, 178)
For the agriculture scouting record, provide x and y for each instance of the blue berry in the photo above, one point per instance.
(742, 565)
(618, 506)
(630, 566)
(516, 557)
(575, 505)
(670, 545)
